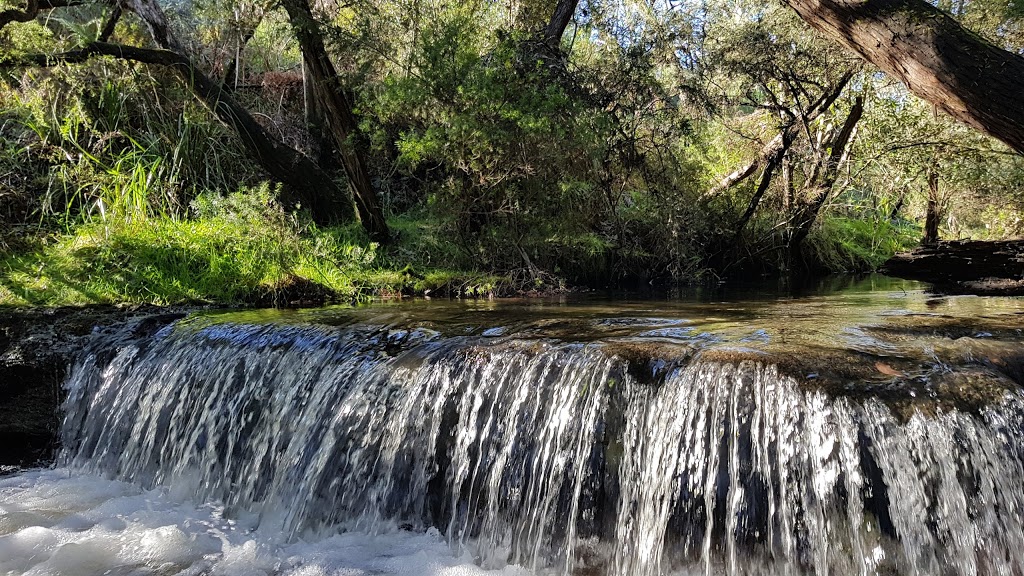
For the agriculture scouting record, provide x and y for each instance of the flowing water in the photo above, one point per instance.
(870, 431)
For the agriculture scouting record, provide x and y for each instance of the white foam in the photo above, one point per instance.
(57, 522)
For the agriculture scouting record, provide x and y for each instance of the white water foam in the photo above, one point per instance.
(58, 522)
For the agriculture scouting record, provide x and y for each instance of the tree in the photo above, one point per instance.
(306, 184)
(823, 177)
(940, 61)
(337, 110)
(560, 19)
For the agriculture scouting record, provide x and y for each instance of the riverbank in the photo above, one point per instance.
(239, 250)
(245, 249)
(985, 268)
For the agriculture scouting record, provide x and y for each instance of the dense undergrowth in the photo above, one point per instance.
(245, 249)
(503, 165)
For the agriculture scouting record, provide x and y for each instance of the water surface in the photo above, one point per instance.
(872, 430)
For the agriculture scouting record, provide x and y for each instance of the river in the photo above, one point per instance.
(869, 430)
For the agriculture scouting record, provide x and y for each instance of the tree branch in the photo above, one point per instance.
(144, 55)
(111, 23)
(939, 60)
(32, 9)
(788, 132)
(306, 183)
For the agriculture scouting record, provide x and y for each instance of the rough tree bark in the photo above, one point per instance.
(337, 111)
(939, 60)
(560, 19)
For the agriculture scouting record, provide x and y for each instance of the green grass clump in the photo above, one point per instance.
(235, 248)
(851, 245)
(238, 249)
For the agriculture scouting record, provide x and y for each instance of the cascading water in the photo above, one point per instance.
(553, 456)
(358, 430)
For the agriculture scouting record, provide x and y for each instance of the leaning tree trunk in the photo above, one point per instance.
(820, 186)
(337, 111)
(938, 59)
(771, 163)
(305, 183)
(560, 19)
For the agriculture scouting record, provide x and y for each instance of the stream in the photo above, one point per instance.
(870, 430)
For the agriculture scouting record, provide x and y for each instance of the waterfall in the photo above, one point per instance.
(549, 454)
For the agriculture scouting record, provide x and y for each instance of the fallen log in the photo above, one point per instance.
(964, 266)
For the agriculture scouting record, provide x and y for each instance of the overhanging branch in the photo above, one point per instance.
(306, 183)
(93, 49)
(32, 9)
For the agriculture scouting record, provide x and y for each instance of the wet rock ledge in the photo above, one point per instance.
(982, 267)
(37, 347)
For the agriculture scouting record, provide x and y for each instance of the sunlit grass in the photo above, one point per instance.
(237, 250)
(850, 245)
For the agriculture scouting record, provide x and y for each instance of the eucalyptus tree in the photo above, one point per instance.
(938, 59)
(784, 92)
(337, 107)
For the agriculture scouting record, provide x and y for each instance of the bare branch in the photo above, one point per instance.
(111, 23)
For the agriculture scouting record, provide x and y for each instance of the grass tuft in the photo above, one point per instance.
(850, 245)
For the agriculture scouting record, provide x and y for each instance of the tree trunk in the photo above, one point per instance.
(108, 27)
(931, 219)
(309, 107)
(234, 71)
(939, 60)
(899, 206)
(770, 164)
(821, 186)
(337, 110)
(560, 19)
(788, 186)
